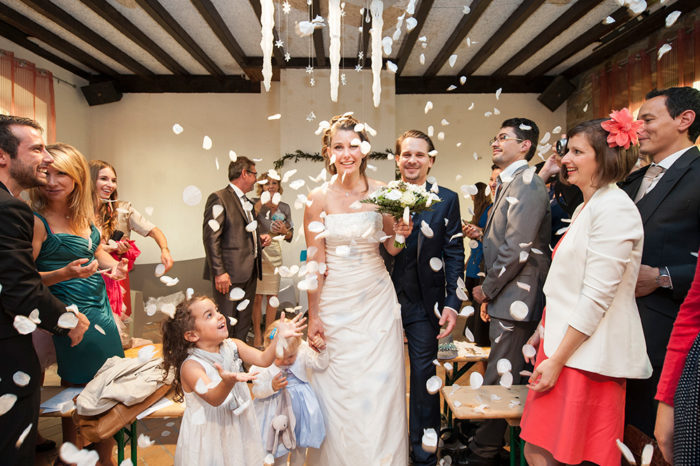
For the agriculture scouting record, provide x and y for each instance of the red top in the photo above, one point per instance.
(685, 330)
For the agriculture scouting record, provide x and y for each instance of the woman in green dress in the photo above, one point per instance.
(68, 253)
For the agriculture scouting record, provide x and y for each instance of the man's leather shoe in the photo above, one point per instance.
(472, 459)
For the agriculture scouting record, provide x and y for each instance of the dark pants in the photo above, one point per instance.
(19, 355)
(424, 408)
(229, 308)
(640, 405)
(488, 438)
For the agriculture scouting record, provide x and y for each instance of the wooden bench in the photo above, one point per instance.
(491, 402)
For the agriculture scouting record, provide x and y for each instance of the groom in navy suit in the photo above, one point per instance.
(419, 287)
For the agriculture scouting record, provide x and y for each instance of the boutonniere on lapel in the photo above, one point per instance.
(401, 200)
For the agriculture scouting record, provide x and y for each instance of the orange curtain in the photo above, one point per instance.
(625, 83)
(28, 92)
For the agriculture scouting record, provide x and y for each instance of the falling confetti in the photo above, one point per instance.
(663, 50)
(276, 116)
(518, 310)
(428, 107)
(452, 60)
(672, 17)
(191, 195)
(24, 325)
(206, 143)
(177, 129)
(476, 380)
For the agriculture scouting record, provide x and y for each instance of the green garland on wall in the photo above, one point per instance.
(316, 157)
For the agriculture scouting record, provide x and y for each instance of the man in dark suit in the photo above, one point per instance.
(420, 287)
(516, 257)
(667, 194)
(23, 164)
(232, 246)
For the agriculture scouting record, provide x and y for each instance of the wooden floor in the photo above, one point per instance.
(165, 431)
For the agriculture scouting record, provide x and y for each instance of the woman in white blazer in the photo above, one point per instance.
(592, 336)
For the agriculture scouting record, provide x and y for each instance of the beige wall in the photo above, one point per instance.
(71, 107)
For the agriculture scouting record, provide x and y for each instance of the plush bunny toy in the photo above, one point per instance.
(282, 425)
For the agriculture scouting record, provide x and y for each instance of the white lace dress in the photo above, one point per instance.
(362, 392)
(220, 435)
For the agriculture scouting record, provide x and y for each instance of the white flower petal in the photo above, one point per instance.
(529, 351)
(506, 380)
(206, 143)
(146, 353)
(67, 320)
(672, 17)
(168, 309)
(425, 229)
(433, 384)
(276, 116)
(213, 224)
(145, 441)
(518, 310)
(21, 379)
(411, 23)
(428, 106)
(100, 329)
(625, 452)
(647, 454)
(468, 334)
(252, 226)
(503, 365)
(160, 270)
(663, 50)
(476, 380)
(23, 324)
(365, 147)
(452, 60)
(191, 195)
(242, 305)
(437, 311)
(177, 129)
(435, 264)
(523, 256)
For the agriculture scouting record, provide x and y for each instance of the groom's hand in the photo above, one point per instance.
(449, 316)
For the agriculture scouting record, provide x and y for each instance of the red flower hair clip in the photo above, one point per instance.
(622, 128)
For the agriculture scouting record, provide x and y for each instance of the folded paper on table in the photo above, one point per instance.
(54, 404)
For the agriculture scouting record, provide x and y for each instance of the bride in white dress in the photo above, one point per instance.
(355, 309)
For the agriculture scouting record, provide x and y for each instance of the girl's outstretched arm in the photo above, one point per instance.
(194, 378)
(251, 355)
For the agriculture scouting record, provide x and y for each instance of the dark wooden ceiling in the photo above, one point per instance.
(214, 45)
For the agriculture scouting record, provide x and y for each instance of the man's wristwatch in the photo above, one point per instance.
(663, 279)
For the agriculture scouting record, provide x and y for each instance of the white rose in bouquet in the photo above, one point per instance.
(408, 198)
(393, 195)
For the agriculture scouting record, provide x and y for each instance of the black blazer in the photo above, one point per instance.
(230, 249)
(671, 217)
(22, 292)
(440, 286)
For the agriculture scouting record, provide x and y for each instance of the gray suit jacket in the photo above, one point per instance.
(230, 249)
(510, 229)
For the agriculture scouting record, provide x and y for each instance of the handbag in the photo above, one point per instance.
(103, 426)
(636, 440)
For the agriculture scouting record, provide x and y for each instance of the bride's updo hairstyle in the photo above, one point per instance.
(341, 122)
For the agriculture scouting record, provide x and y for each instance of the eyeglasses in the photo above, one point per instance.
(503, 138)
(560, 147)
(252, 172)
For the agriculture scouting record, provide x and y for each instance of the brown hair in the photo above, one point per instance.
(341, 122)
(175, 347)
(414, 133)
(235, 169)
(292, 343)
(481, 202)
(614, 163)
(69, 160)
(105, 211)
(266, 176)
(8, 141)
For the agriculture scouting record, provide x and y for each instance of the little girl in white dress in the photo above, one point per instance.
(290, 374)
(219, 426)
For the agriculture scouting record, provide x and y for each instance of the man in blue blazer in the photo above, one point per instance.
(667, 194)
(420, 288)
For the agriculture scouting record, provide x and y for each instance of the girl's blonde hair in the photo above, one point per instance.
(69, 160)
(341, 122)
(293, 343)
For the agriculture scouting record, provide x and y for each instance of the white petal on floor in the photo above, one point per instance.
(100, 329)
(242, 305)
(476, 380)
(191, 195)
(503, 365)
(518, 310)
(435, 264)
(506, 380)
(23, 324)
(67, 320)
(433, 384)
(145, 441)
(213, 224)
(626, 453)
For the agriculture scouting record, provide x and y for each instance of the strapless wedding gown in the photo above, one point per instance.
(362, 392)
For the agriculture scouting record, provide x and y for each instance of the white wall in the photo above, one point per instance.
(71, 107)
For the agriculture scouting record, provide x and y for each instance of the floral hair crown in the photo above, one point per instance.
(622, 128)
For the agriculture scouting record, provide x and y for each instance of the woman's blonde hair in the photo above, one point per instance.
(266, 176)
(69, 160)
(341, 122)
(292, 343)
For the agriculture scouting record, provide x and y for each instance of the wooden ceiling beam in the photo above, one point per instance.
(633, 34)
(621, 15)
(474, 84)
(276, 51)
(412, 36)
(458, 35)
(18, 37)
(120, 22)
(561, 24)
(161, 16)
(318, 36)
(32, 29)
(509, 26)
(186, 84)
(75, 27)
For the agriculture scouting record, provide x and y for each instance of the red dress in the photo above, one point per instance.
(579, 419)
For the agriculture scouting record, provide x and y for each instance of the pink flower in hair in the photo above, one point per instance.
(622, 128)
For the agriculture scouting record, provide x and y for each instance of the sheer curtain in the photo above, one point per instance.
(28, 92)
(625, 83)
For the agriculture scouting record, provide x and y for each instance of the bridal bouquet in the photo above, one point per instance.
(401, 200)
